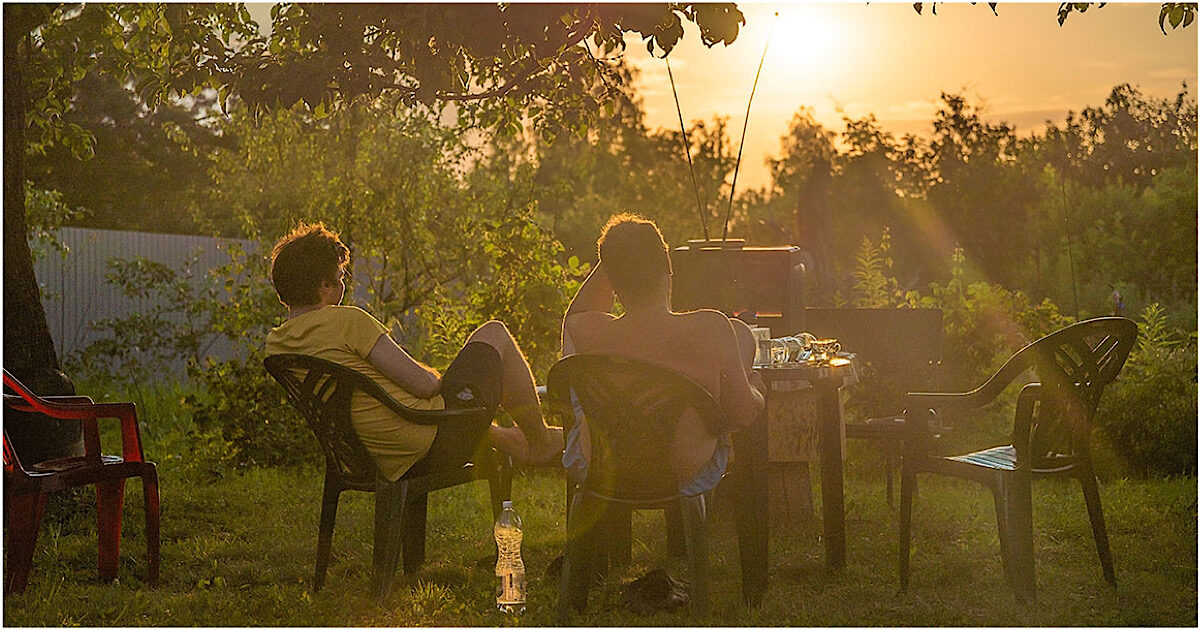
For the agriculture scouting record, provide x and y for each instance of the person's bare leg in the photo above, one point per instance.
(531, 441)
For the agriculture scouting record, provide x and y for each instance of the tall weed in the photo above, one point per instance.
(1149, 415)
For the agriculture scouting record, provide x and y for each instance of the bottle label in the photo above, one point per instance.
(512, 588)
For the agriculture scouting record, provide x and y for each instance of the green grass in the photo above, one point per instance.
(240, 552)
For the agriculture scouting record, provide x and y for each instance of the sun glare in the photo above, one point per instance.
(805, 40)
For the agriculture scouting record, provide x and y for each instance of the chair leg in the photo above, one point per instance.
(889, 468)
(110, 498)
(24, 514)
(499, 491)
(389, 515)
(329, 506)
(1002, 533)
(618, 538)
(150, 497)
(578, 555)
(676, 538)
(696, 536)
(413, 528)
(1016, 494)
(1091, 496)
(908, 484)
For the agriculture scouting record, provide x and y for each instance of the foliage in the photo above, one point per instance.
(149, 164)
(1149, 415)
(550, 62)
(522, 284)
(249, 413)
(984, 322)
(238, 416)
(173, 47)
(1179, 14)
(874, 284)
(45, 212)
(184, 313)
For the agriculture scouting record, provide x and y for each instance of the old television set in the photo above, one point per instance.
(763, 285)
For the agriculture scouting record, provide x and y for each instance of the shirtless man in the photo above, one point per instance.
(707, 346)
(307, 270)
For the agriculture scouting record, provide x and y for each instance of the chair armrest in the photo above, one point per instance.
(69, 400)
(918, 401)
(977, 397)
(87, 413)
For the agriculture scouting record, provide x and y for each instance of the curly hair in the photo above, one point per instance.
(303, 260)
(634, 255)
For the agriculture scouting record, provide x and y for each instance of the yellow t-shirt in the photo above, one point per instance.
(345, 335)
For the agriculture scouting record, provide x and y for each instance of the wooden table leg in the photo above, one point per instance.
(750, 511)
(833, 513)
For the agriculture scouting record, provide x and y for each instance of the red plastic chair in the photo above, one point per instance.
(25, 489)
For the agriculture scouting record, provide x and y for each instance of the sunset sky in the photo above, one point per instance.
(886, 59)
(883, 58)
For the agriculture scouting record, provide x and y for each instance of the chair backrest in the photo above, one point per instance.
(321, 391)
(1073, 365)
(632, 409)
(900, 350)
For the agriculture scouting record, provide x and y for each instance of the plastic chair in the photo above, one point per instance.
(321, 391)
(632, 409)
(902, 349)
(26, 488)
(1050, 437)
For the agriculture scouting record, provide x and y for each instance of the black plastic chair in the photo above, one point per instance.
(1050, 437)
(321, 391)
(900, 350)
(632, 409)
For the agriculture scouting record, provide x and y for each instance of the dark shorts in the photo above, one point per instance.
(473, 380)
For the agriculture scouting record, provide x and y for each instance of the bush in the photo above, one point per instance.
(1149, 415)
(249, 412)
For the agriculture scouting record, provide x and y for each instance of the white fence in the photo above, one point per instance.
(75, 292)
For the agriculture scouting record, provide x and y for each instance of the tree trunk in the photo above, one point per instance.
(814, 218)
(28, 348)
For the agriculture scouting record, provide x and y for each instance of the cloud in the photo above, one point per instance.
(1176, 73)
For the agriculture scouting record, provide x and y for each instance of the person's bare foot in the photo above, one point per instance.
(547, 451)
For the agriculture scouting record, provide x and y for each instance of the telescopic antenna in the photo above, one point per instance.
(687, 150)
(738, 165)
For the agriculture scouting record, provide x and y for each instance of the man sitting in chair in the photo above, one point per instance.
(307, 270)
(713, 350)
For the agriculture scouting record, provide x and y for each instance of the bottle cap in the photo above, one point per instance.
(507, 505)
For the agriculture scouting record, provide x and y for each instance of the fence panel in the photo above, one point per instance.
(75, 292)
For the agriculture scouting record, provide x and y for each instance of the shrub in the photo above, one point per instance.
(246, 410)
(1149, 415)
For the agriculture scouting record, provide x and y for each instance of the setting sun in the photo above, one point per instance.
(803, 41)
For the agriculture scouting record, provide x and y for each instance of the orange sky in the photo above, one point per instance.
(887, 60)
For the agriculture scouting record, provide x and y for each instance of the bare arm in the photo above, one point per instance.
(393, 362)
(741, 395)
(594, 295)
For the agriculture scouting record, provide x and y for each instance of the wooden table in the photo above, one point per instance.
(826, 381)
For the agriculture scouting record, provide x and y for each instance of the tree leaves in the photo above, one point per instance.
(1177, 13)
(1065, 9)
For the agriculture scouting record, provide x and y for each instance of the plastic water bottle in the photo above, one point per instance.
(510, 569)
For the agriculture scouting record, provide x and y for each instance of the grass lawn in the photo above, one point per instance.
(240, 552)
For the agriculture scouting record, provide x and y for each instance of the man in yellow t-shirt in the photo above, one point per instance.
(307, 270)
